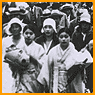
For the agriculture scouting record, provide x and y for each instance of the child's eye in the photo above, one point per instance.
(50, 26)
(66, 36)
(45, 27)
(26, 33)
(61, 37)
(31, 33)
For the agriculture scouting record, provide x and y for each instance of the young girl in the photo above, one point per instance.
(49, 38)
(61, 58)
(28, 83)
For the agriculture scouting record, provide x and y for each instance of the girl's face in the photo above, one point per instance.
(29, 36)
(64, 39)
(84, 26)
(15, 29)
(48, 30)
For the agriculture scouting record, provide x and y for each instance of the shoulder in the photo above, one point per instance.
(37, 45)
(77, 30)
(53, 50)
(22, 37)
(6, 39)
(39, 39)
(55, 39)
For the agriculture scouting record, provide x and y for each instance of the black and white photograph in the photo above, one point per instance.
(47, 47)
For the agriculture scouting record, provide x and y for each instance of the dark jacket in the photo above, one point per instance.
(77, 38)
(41, 40)
(72, 25)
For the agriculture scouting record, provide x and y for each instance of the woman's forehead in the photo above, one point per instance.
(47, 26)
(15, 24)
(29, 30)
(63, 33)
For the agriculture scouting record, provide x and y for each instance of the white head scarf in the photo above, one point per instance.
(85, 17)
(14, 20)
(49, 21)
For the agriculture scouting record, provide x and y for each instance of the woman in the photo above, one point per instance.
(81, 38)
(54, 74)
(14, 28)
(49, 38)
(83, 32)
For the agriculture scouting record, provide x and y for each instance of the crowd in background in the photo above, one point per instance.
(38, 28)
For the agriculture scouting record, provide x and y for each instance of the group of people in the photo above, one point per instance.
(47, 50)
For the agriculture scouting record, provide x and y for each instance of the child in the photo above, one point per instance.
(61, 58)
(36, 52)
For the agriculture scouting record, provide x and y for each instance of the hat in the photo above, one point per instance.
(22, 4)
(81, 11)
(49, 21)
(85, 17)
(56, 13)
(66, 6)
(13, 10)
(46, 13)
(14, 20)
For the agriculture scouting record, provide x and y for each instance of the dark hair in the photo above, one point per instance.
(17, 24)
(29, 27)
(66, 30)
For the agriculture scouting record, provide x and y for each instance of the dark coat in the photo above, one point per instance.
(41, 40)
(77, 38)
(72, 25)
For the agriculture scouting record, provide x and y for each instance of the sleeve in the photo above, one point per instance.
(43, 77)
(75, 40)
(42, 56)
(87, 55)
(3, 46)
(81, 57)
(71, 28)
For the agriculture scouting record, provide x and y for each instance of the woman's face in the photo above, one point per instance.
(48, 30)
(84, 26)
(64, 39)
(29, 36)
(15, 29)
